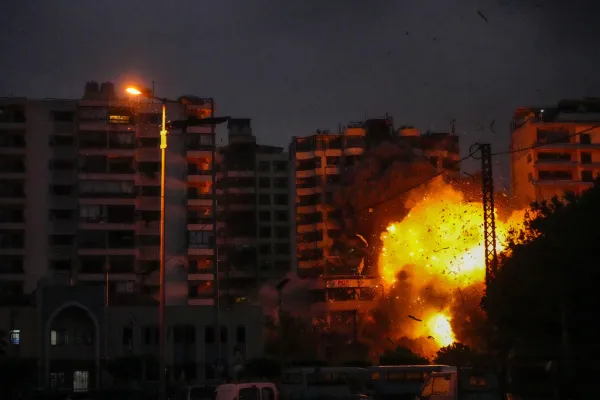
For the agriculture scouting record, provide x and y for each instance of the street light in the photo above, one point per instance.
(161, 297)
(190, 121)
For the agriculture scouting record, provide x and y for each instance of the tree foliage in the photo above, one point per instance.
(457, 354)
(547, 281)
(3, 343)
(401, 356)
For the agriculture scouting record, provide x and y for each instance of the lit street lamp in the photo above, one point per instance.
(193, 121)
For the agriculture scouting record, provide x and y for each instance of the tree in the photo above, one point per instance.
(3, 344)
(456, 354)
(401, 356)
(543, 299)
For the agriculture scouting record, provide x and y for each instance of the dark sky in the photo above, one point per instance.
(296, 66)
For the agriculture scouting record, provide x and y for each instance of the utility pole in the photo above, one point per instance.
(489, 217)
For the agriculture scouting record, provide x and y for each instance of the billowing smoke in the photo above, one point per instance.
(369, 197)
(295, 296)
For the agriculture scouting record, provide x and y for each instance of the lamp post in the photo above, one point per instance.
(161, 290)
(163, 146)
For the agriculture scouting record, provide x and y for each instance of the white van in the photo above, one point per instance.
(247, 391)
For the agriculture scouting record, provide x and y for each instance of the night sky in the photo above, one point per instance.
(296, 66)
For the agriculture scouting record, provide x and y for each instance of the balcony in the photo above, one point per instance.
(63, 226)
(147, 227)
(151, 155)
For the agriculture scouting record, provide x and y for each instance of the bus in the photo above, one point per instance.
(322, 382)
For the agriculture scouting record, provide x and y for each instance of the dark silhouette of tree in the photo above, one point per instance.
(543, 300)
(402, 356)
(3, 344)
(456, 354)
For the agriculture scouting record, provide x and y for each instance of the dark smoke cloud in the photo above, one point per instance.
(371, 196)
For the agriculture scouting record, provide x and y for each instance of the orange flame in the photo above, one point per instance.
(440, 245)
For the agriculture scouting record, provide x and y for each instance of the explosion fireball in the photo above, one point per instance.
(432, 254)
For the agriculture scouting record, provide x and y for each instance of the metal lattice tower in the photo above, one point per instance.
(489, 217)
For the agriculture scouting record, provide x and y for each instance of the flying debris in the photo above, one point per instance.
(483, 16)
(415, 318)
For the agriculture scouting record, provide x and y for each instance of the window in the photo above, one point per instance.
(223, 334)
(60, 265)
(264, 166)
(333, 161)
(264, 183)
(61, 190)
(62, 116)
(250, 393)
(282, 265)
(264, 216)
(127, 337)
(209, 334)
(587, 176)
(240, 334)
(61, 240)
(62, 165)
(585, 138)
(280, 183)
(281, 216)
(264, 199)
(441, 385)
(528, 158)
(151, 335)
(264, 232)
(281, 199)
(436, 386)
(268, 394)
(586, 158)
(280, 166)
(83, 337)
(265, 249)
(200, 240)
(282, 232)
(59, 337)
(62, 141)
(15, 337)
(282, 248)
(149, 191)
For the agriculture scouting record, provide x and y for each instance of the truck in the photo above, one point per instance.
(465, 383)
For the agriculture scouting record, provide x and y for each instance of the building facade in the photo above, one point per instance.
(81, 194)
(68, 338)
(341, 294)
(253, 214)
(549, 156)
(80, 211)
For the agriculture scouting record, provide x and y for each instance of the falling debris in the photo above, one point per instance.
(483, 16)
(415, 318)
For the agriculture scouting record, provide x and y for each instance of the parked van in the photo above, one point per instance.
(247, 391)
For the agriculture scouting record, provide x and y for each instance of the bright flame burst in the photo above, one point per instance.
(439, 245)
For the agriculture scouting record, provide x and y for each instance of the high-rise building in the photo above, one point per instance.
(79, 239)
(253, 213)
(548, 155)
(83, 201)
(318, 161)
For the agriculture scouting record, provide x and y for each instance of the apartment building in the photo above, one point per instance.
(339, 291)
(253, 213)
(548, 156)
(80, 209)
(66, 339)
